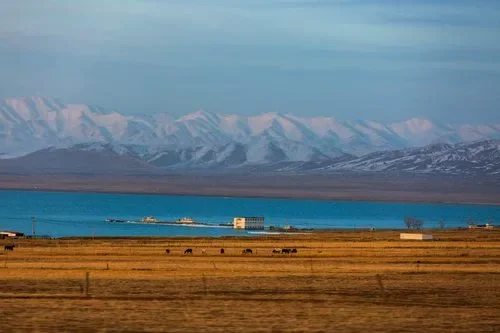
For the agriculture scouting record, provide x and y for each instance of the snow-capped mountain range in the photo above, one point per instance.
(209, 139)
(479, 158)
(476, 158)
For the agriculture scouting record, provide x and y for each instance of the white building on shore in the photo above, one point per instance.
(249, 223)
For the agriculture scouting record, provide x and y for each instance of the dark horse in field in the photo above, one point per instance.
(288, 251)
(188, 251)
(247, 251)
(167, 251)
(9, 247)
(222, 251)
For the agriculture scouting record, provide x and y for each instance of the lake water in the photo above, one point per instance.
(61, 214)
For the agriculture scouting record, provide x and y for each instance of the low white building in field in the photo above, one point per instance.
(408, 236)
(5, 234)
(249, 223)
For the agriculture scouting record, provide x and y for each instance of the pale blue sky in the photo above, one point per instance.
(377, 59)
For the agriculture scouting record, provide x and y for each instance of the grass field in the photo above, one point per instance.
(337, 282)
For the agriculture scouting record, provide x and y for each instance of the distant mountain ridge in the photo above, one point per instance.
(468, 159)
(476, 158)
(202, 138)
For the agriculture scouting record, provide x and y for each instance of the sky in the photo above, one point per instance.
(386, 60)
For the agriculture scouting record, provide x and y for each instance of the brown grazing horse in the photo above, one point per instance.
(247, 251)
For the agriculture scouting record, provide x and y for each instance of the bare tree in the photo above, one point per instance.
(413, 223)
(442, 223)
(470, 222)
(408, 222)
(418, 224)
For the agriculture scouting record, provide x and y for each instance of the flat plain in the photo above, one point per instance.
(344, 186)
(342, 281)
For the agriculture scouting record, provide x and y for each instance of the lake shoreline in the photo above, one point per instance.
(384, 233)
(84, 212)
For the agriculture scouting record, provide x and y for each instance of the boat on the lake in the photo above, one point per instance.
(186, 220)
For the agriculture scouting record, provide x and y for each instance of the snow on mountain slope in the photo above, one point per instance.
(33, 123)
(481, 157)
(259, 151)
(467, 159)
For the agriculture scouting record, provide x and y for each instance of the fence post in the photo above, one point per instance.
(205, 287)
(87, 283)
(380, 285)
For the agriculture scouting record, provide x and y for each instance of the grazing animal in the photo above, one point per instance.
(247, 251)
(276, 251)
(9, 247)
(203, 251)
(293, 251)
(222, 251)
(285, 251)
(167, 251)
(188, 251)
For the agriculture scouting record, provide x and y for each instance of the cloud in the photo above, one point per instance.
(389, 38)
(166, 25)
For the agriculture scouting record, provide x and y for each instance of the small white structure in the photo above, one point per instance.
(185, 220)
(482, 226)
(149, 219)
(249, 223)
(407, 236)
(5, 234)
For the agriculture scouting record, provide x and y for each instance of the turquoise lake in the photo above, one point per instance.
(60, 214)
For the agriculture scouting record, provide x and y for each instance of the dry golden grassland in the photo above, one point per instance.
(337, 282)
